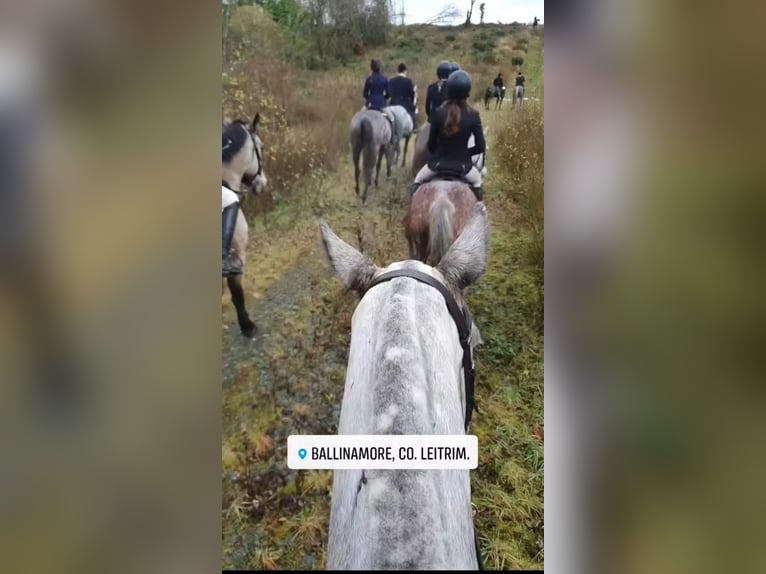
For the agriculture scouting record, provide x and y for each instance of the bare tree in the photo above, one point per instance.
(481, 12)
(447, 14)
(469, 15)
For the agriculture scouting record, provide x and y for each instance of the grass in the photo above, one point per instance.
(290, 380)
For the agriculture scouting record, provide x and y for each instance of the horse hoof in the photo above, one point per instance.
(249, 330)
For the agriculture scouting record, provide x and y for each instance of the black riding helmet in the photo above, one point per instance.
(454, 67)
(458, 85)
(443, 70)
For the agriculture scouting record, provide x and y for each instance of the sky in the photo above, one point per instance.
(505, 11)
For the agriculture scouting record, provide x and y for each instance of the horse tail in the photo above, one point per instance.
(440, 232)
(368, 147)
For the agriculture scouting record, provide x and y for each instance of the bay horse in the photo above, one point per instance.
(439, 210)
(242, 167)
(371, 134)
(406, 375)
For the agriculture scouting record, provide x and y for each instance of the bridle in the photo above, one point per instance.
(255, 149)
(462, 319)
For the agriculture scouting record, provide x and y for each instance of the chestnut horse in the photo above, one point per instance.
(438, 212)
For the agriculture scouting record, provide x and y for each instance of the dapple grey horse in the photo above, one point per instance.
(518, 95)
(371, 134)
(404, 377)
(403, 129)
(420, 158)
(242, 166)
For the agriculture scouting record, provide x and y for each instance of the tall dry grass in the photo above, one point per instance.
(305, 114)
(521, 161)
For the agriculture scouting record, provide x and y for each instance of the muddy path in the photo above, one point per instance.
(290, 378)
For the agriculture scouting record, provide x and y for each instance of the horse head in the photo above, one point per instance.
(243, 154)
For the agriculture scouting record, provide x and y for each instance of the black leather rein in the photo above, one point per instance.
(462, 319)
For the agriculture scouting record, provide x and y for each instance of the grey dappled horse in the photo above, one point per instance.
(421, 156)
(242, 167)
(405, 377)
(403, 129)
(518, 95)
(371, 136)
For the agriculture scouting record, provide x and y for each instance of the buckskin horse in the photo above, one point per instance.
(410, 372)
(242, 167)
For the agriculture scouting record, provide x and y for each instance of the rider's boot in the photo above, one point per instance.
(232, 265)
(414, 188)
(478, 192)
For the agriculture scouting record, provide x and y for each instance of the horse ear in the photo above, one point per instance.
(256, 121)
(355, 270)
(466, 260)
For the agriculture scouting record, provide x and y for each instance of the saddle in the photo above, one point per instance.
(447, 173)
(391, 122)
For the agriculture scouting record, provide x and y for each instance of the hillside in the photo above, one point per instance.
(290, 378)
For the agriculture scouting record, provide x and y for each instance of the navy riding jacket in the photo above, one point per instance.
(376, 92)
(402, 92)
(520, 80)
(451, 153)
(435, 97)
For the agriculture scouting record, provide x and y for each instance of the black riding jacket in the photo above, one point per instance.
(402, 92)
(451, 153)
(435, 96)
(520, 80)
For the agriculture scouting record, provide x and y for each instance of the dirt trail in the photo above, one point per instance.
(289, 379)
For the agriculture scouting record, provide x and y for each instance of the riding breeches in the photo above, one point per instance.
(228, 198)
(473, 177)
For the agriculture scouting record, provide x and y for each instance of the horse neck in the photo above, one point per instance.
(402, 363)
(404, 377)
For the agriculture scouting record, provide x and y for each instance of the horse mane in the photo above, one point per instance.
(233, 138)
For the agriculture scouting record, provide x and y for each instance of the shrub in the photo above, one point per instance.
(517, 58)
(521, 159)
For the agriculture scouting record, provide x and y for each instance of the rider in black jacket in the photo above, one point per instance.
(451, 127)
(402, 90)
(436, 95)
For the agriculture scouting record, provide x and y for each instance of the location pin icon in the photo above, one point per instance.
(302, 453)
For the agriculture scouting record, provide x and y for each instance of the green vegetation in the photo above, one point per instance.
(290, 379)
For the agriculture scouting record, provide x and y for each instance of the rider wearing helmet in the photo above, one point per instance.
(499, 85)
(376, 92)
(376, 95)
(436, 93)
(452, 125)
(454, 67)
